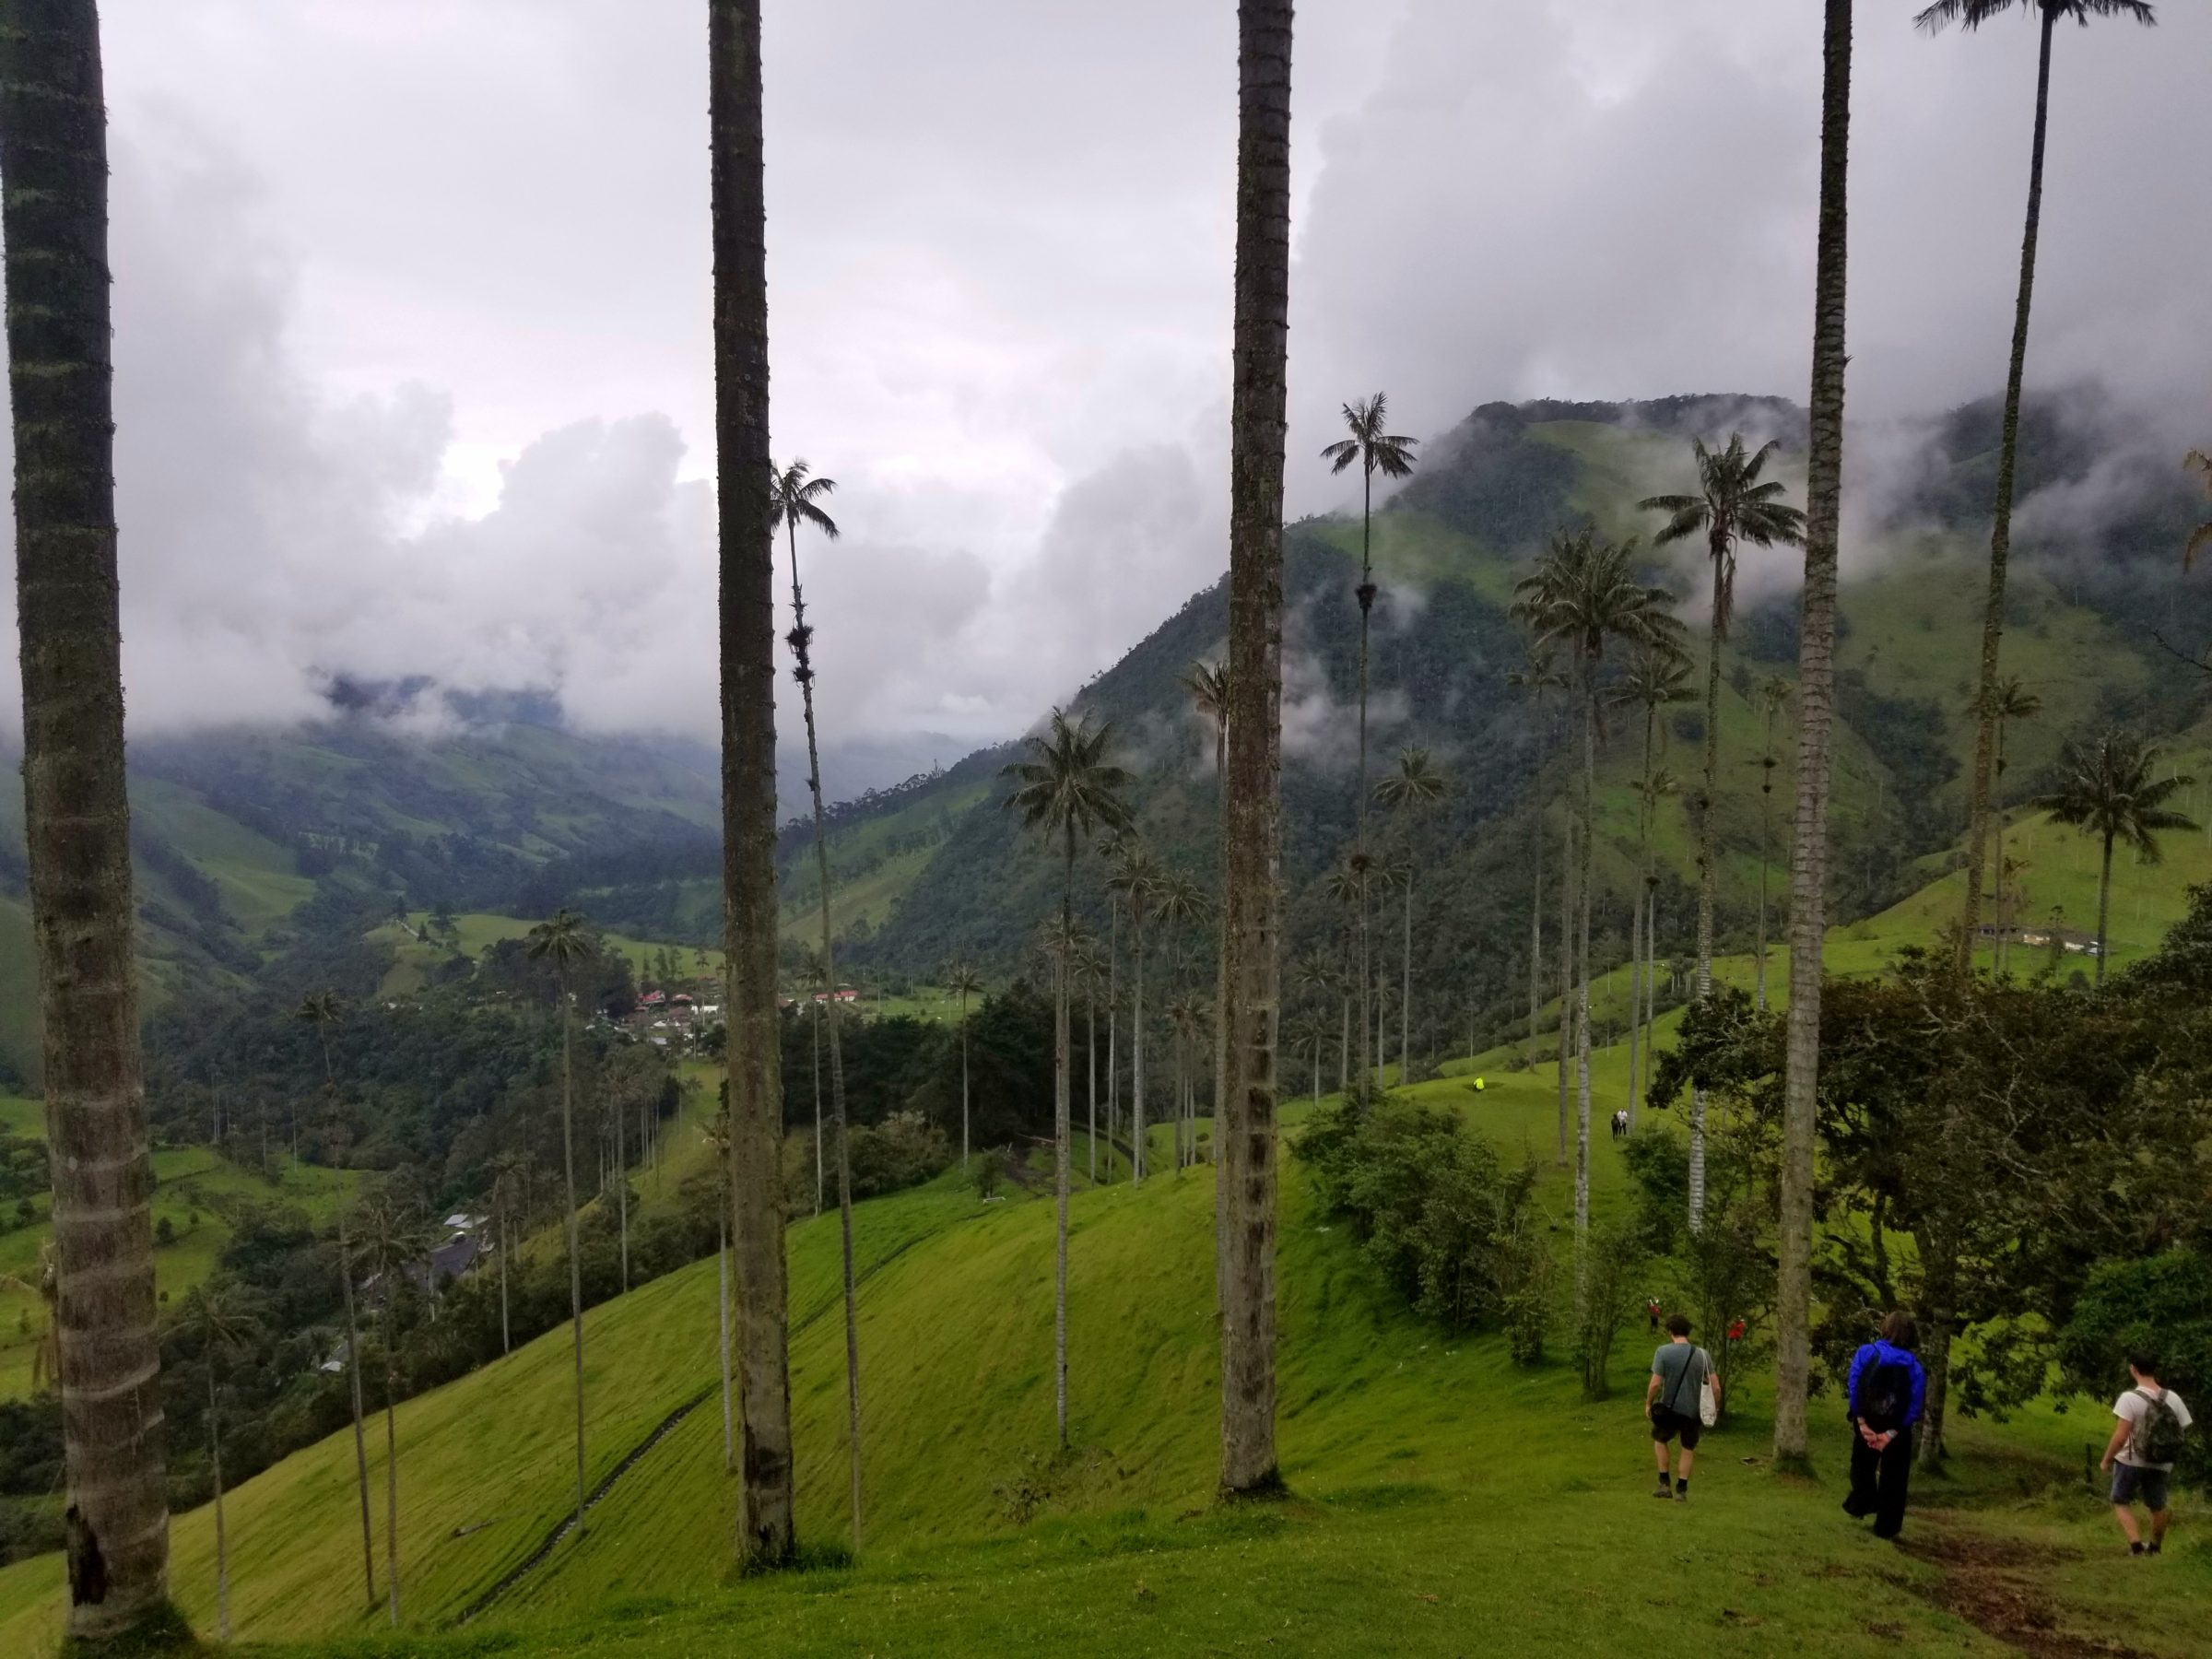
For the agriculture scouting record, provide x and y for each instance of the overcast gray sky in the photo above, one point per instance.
(413, 311)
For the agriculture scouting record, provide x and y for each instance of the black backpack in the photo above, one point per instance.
(2157, 1436)
(1885, 1396)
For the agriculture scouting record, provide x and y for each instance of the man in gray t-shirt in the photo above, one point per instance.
(1680, 1373)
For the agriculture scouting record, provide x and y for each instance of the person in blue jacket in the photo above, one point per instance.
(1887, 1389)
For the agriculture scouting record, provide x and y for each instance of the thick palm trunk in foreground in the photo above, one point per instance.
(1251, 926)
(1815, 692)
(748, 781)
(76, 815)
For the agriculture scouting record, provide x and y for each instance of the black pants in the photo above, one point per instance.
(1878, 1481)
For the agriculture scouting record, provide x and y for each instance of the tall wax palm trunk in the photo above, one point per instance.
(801, 640)
(1566, 906)
(1136, 1045)
(1251, 922)
(353, 1378)
(392, 1459)
(76, 814)
(1816, 692)
(2000, 529)
(1582, 1013)
(2104, 908)
(1708, 875)
(622, 1196)
(1406, 993)
(721, 1316)
(1090, 1060)
(817, 1154)
(1113, 1012)
(567, 1167)
(1535, 939)
(815, 1026)
(745, 535)
(1061, 1133)
(222, 1540)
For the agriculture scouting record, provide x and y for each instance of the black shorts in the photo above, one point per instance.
(1666, 1424)
(2134, 1485)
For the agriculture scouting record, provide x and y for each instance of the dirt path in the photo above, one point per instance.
(1998, 1586)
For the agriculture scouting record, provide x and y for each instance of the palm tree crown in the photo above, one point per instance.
(1375, 450)
(1656, 676)
(1733, 504)
(1208, 685)
(1068, 787)
(796, 498)
(1585, 592)
(1417, 783)
(2106, 789)
(1973, 14)
(562, 941)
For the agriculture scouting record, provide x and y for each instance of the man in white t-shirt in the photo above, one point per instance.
(2152, 1420)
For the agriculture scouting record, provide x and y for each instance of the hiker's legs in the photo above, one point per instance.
(2158, 1518)
(2125, 1514)
(1659, 1456)
(1690, 1456)
(1865, 1461)
(1894, 1470)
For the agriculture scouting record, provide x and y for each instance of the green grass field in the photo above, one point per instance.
(1442, 1500)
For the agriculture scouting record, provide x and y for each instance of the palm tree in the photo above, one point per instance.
(1206, 685)
(218, 1320)
(1417, 783)
(795, 500)
(1091, 973)
(1392, 455)
(394, 1239)
(962, 980)
(1816, 695)
(563, 945)
(1583, 596)
(1773, 698)
(1135, 879)
(54, 222)
(1343, 886)
(1179, 904)
(1972, 14)
(323, 1009)
(1656, 786)
(1252, 905)
(812, 976)
(2199, 463)
(506, 1185)
(1538, 675)
(1733, 504)
(1309, 1034)
(1070, 791)
(2106, 789)
(746, 537)
(1656, 678)
(2015, 703)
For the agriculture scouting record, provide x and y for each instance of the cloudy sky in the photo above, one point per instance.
(412, 302)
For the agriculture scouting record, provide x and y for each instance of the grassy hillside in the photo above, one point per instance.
(1435, 1485)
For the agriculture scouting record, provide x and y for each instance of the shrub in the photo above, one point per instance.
(1447, 1226)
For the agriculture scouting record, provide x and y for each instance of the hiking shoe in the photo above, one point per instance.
(2152, 1548)
(1665, 1490)
(2136, 1547)
(1682, 1495)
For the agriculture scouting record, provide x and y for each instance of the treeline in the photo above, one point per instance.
(2017, 1158)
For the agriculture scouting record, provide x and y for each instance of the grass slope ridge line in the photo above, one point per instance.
(537, 1558)
(543, 1553)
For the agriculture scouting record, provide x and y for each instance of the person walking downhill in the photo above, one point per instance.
(1886, 1391)
(1680, 1373)
(2145, 1446)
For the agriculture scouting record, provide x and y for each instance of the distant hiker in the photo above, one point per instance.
(1651, 1307)
(1886, 1390)
(1621, 1126)
(1681, 1374)
(2145, 1445)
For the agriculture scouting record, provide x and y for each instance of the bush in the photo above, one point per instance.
(1447, 1226)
